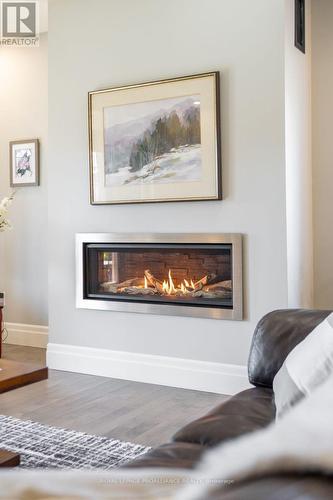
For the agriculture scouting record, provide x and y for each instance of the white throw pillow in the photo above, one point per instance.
(308, 365)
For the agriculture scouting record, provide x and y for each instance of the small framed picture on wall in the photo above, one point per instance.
(24, 163)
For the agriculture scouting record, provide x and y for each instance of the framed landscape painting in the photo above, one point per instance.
(156, 141)
(24, 163)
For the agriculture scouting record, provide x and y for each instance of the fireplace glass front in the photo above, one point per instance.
(188, 274)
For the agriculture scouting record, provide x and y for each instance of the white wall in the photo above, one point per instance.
(322, 106)
(298, 162)
(23, 251)
(114, 43)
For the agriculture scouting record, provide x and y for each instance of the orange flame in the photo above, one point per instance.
(170, 288)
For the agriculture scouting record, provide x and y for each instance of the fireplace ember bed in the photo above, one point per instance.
(181, 274)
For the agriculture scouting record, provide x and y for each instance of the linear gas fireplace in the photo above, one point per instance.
(180, 274)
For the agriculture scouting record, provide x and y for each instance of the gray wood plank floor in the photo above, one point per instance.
(130, 411)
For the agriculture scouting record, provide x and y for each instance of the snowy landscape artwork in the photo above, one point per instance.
(153, 142)
(156, 141)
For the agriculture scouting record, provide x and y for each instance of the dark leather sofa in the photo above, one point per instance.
(275, 336)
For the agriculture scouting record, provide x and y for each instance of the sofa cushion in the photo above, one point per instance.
(247, 411)
(275, 336)
(306, 367)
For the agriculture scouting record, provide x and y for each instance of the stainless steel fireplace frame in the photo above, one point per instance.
(235, 313)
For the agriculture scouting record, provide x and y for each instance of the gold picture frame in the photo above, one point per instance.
(157, 141)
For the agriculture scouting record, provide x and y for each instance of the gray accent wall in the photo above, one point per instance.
(93, 45)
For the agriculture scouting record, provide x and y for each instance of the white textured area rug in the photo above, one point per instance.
(45, 447)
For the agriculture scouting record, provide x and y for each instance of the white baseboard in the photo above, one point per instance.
(27, 335)
(160, 370)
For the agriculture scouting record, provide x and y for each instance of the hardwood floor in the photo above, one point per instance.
(130, 411)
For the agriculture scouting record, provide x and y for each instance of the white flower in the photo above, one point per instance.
(4, 206)
(5, 225)
(6, 202)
